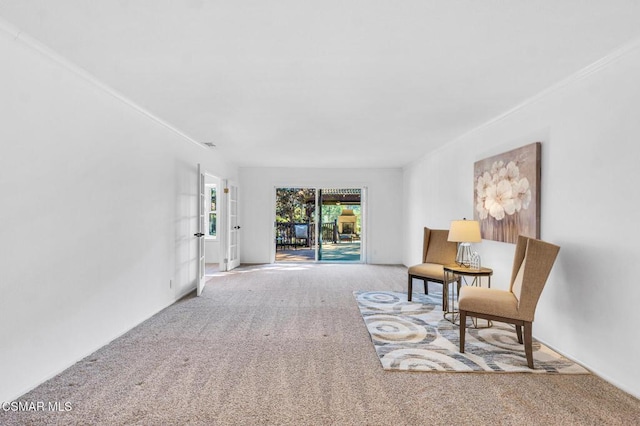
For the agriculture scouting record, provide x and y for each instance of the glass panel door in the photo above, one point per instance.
(295, 230)
(340, 224)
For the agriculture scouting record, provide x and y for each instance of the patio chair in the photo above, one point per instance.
(301, 232)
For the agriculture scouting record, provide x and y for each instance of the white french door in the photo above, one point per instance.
(201, 232)
(233, 229)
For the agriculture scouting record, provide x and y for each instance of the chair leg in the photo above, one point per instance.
(426, 286)
(528, 349)
(519, 333)
(463, 329)
(410, 288)
(445, 297)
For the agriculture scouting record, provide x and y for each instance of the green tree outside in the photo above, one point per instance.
(295, 205)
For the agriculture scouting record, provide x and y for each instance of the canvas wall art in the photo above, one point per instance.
(507, 194)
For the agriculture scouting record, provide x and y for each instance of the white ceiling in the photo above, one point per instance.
(331, 83)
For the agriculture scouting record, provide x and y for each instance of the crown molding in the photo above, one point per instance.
(585, 72)
(19, 36)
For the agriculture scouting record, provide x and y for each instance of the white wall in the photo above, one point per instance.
(212, 251)
(589, 130)
(384, 196)
(98, 212)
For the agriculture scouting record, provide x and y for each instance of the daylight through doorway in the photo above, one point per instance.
(318, 224)
(340, 220)
(295, 225)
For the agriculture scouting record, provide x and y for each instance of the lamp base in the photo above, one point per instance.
(463, 258)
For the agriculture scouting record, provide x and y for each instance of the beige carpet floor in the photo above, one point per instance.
(286, 345)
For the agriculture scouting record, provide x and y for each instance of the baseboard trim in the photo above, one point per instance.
(591, 369)
(86, 354)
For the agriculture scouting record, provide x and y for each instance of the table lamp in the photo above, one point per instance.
(464, 232)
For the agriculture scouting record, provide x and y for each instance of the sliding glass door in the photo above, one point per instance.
(295, 225)
(323, 224)
(340, 222)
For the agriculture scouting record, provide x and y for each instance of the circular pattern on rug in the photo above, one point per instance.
(421, 360)
(379, 297)
(414, 336)
(391, 329)
(397, 302)
(500, 337)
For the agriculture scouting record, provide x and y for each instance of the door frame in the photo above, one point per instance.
(223, 226)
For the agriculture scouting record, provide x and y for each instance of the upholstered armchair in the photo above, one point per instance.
(436, 252)
(531, 267)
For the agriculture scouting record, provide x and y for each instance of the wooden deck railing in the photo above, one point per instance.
(294, 235)
(330, 232)
(303, 234)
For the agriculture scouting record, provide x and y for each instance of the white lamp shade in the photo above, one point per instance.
(465, 231)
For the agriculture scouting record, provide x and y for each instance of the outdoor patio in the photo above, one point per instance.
(331, 252)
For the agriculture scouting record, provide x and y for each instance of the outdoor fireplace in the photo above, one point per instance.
(347, 222)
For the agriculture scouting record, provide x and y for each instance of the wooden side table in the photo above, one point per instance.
(450, 272)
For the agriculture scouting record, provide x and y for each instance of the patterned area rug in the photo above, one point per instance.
(415, 336)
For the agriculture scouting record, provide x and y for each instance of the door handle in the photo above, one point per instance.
(199, 234)
(236, 227)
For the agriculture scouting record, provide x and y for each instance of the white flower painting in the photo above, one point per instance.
(506, 194)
